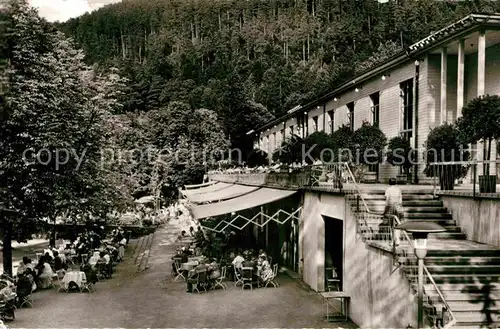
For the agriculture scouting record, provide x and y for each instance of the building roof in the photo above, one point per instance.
(456, 30)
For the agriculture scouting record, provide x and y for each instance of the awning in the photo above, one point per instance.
(207, 189)
(254, 199)
(230, 192)
(190, 187)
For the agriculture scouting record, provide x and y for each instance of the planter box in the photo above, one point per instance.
(402, 179)
(370, 177)
(488, 184)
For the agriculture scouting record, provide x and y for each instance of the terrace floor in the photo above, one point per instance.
(146, 299)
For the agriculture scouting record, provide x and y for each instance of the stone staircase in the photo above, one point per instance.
(466, 273)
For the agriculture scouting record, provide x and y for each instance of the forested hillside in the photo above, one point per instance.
(249, 60)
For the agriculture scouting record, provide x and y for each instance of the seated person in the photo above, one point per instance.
(23, 265)
(193, 275)
(24, 286)
(45, 273)
(265, 270)
(58, 262)
(90, 273)
(238, 261)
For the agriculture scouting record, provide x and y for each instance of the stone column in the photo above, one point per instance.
(460, 77)
(481, 73)
(444, 72)
(481, 62)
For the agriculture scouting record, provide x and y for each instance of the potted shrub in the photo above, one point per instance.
(400, 153)
(443, 145)
(257, 158)
(369, 143)
(319, 147)
(480, 121)
(290, 151)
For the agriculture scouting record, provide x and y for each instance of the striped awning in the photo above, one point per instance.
(195, 186)
(230, 192)
(253, 199)
(207, 189)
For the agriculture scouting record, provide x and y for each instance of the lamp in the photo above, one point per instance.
(385, 76)
(357, 90)
(420, 230)
(335, 99)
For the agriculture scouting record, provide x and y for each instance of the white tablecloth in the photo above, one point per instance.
(75, 276)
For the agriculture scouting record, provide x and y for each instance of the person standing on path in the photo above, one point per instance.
(394, 206)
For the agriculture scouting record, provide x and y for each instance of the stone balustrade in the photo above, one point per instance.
(294, 180)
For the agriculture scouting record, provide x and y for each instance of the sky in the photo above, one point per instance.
(62, 10)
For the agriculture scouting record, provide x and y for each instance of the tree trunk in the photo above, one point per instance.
(123, 44)
(304, 52)
(308, 47)
(7, 246)
(220, 22)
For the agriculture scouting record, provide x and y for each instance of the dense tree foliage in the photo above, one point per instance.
(251, 60)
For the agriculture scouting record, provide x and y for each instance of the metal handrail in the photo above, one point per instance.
(431, 279)
(453, 319)
(357, 187)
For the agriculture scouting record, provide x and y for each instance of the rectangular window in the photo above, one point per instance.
(331, 121)
(291, 131)
(315, 124)
(406, 101)
(282, 136)
(375, 107)
(274, 141)
(350, 115)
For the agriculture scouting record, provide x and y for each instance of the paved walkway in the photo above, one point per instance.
(146, 299)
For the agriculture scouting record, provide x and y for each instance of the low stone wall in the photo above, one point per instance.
(293, 180)
(479, 218)
(381, 297)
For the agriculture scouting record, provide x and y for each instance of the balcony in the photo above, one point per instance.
(323, 177)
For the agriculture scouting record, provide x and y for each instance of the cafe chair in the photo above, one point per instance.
(219, 281)
(273, 280)
(178, 270)
(332, 279)
(237, 276)
(247, 277)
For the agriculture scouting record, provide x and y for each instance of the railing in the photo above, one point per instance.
(443, 319)
(466, 176)
(372, 227)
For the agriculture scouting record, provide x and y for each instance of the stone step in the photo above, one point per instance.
(448, 236)
(371, 196)
(459, 260)
(466, 306)
(463, 269)
(406, 203)
(475, 325)
(463, 253)
(379, 208)
(425, 215)
(455, 296)
(476, 317)
(460, 278)
(461, 287)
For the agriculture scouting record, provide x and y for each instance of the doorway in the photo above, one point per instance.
(334, 252)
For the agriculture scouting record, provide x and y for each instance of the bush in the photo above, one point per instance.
(369, 142)
(257, 158)
(480, 121)
(321, 147)
(443, 145)
(400, 153)
(290, 150)
(342, 140)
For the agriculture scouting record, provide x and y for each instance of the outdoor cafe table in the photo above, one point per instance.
(73, 276)
(195, 259)
(189, 265)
